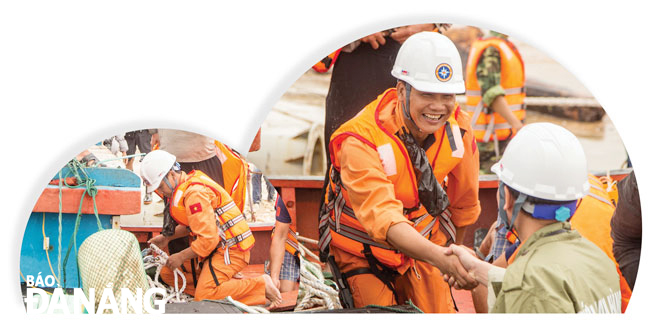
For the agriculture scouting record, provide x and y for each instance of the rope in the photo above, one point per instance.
(307, 240)
(246, 308)
(43, 232)
(158, 261)
(76, 169)
(313, 291)
(24, 280)
(308, 252)
(59, 235)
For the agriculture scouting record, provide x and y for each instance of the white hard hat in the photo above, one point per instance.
(154, 167)
(430, 62)
(546, 161)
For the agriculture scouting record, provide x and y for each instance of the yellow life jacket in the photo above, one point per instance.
(338, 225)
(233, 229)
(488, 125)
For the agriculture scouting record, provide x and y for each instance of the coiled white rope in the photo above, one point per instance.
(312, 285)
(158, 261)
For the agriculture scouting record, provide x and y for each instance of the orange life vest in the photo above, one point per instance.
(488, 125)
(338, 225)
(292, 241)
(291, 244)
(235, 173)
(327, 62)
(233, 229)
(592, 219)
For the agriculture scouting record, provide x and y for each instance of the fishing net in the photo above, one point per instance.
(112, 259)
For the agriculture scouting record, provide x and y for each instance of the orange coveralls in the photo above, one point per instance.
(373, 200)
(250, 291)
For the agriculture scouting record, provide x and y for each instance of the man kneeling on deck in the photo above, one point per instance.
(222, 237)
(542, 174)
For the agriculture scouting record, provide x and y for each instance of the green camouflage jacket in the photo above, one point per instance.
(556, 270)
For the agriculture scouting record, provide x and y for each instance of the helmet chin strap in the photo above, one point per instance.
(406, 106)
(170, 185)
(517, 205)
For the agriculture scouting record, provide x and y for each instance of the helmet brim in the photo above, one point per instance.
(434, 87)
(153, 187)
(428, 87)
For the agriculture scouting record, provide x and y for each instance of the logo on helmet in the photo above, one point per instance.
(443, 72)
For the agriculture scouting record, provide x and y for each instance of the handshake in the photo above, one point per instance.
(462, 269)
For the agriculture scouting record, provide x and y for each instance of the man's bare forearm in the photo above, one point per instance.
(407, 240)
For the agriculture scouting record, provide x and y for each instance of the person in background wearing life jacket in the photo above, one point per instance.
(543, 174)
(403, 183)
(495, 79)
(223, 239)
(284, 264)
(284, 267)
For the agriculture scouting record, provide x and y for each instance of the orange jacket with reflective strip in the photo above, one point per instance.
(235, 173)
(340, 228)
(592, 219)
(488, 125)
(232, 227)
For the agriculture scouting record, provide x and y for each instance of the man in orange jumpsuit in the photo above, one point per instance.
(234, 172)
(222, 237)
(403, 184)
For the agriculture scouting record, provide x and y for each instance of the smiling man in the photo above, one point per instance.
(403, 184)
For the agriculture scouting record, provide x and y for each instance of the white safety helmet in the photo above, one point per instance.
(430, 62)
(545, 161)
(154, 167)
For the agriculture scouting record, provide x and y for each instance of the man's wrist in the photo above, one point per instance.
(439, 257)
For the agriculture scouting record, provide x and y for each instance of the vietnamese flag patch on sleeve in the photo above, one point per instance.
(197, 207)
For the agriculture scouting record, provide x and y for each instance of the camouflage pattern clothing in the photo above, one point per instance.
(488, 76)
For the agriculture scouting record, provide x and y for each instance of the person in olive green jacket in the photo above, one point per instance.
(542, 174)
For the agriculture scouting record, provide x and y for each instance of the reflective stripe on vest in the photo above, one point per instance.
(338, 225)
(340, 210)
(225, 208)
(230, 223)
(233, 230)
(291, 245)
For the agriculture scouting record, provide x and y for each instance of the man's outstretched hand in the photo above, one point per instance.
(468, 260)
(452, 268)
